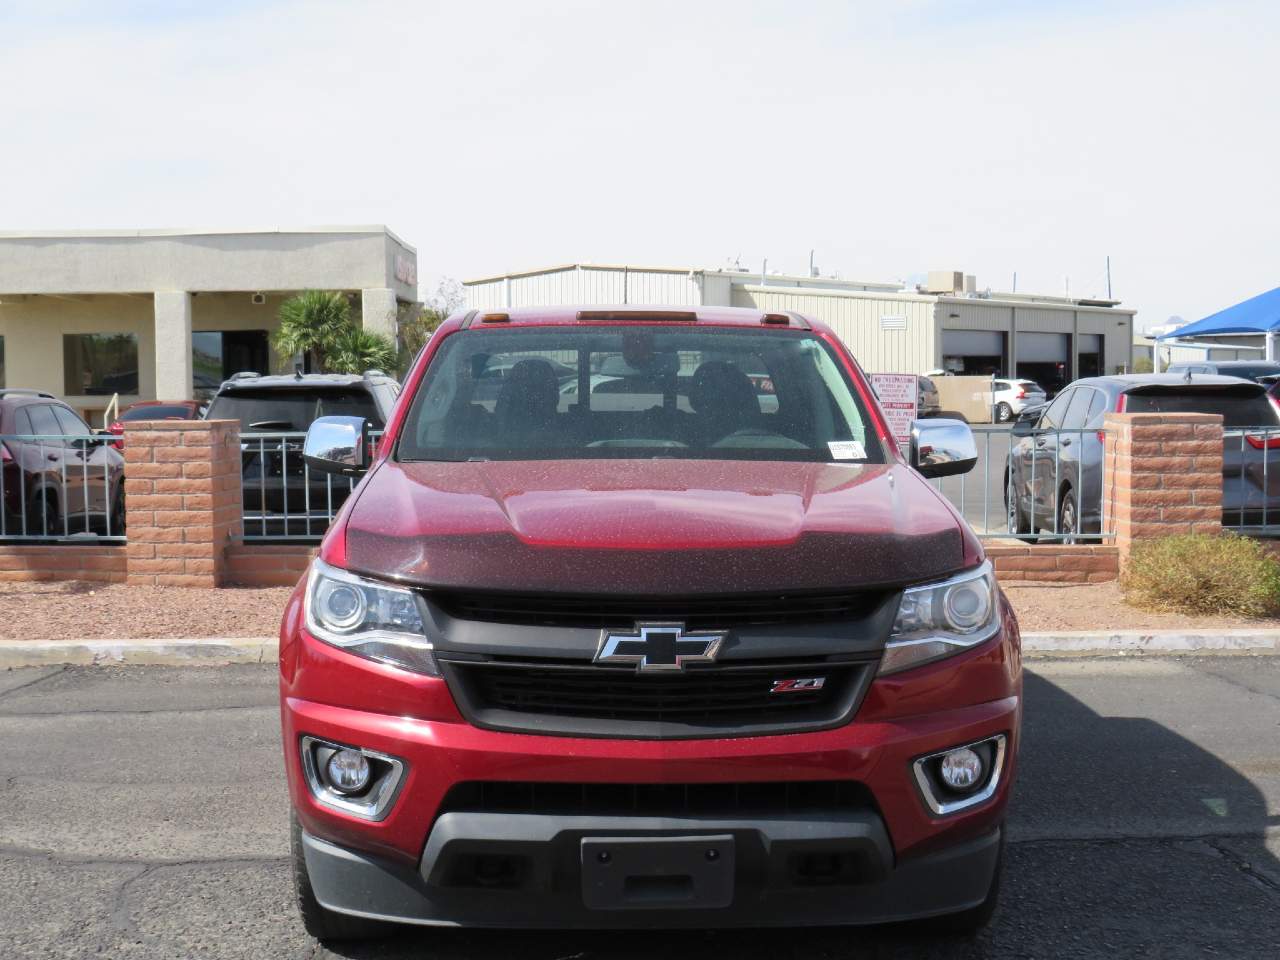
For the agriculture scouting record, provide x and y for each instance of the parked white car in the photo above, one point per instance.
(1010, 397)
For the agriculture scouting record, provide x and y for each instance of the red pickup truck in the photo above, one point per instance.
(668, 654)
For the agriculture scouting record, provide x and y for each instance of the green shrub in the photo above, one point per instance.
(1227, 575)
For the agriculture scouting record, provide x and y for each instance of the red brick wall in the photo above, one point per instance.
(1056, 563)
(267, 565)
(1162, 475)
(182, 500)
(96, 563)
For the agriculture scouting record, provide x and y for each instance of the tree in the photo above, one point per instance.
(310, 323)
(417, 329)
(1143, 365)
(356, 350)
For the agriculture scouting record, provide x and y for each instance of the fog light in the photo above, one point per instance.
(347, 771)
(961, 770)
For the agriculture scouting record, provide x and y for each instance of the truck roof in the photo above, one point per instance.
(631, 313)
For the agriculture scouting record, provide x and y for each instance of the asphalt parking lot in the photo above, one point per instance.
(145, 817)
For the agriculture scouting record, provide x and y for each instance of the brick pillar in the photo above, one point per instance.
(182, 500)
(1162, 474)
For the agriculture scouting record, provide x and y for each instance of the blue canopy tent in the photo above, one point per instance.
(1260, 314)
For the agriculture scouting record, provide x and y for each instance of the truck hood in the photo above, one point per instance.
(642, 527)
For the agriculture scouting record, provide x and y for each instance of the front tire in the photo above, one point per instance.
(1016, 521)
(1068, 517)
(1004, 412)
(320, 922)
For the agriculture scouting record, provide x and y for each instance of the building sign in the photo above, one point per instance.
(898, 395)
(406, 270)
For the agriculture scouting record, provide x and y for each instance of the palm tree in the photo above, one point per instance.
(310, 323)
(356, 350)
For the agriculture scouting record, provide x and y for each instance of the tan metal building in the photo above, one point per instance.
(946, 324)
(167, 314)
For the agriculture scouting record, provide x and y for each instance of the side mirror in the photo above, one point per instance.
(941, 448)
(337, 445)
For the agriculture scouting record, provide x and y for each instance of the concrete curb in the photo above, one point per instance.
(213, 651)
(210, 651)
(1126, 642)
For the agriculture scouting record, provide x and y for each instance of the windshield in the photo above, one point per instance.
(1236, 410)
(711, 393)
(283, 411)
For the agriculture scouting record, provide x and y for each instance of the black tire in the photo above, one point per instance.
(117, 512)
(43, 518)
(975, 919)
(1004, 412)
(1068, 517)
(324, 924)
(1016, 521)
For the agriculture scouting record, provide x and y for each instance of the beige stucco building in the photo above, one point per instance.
(167, 314)
(946, 323)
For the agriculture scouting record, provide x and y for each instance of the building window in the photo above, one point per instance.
(100, 364)
(217, 354)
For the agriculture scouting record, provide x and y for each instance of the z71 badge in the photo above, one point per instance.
(796, 686)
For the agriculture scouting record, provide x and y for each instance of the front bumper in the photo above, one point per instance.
(758, 880)
(910, 861)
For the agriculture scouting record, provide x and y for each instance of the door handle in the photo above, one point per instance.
(1064, 442)
(1040, 444)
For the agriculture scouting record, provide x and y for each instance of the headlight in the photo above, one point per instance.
(942, 619)
(367, 618)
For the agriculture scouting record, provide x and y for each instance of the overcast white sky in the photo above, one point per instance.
(892, 137)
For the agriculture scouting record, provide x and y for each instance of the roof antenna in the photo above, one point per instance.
(297, 371)
(1186, 377)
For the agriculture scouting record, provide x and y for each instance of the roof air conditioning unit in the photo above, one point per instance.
(946, 282)
(259, 298)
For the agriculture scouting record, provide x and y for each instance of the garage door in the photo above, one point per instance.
(1044, 347)
(972, 343)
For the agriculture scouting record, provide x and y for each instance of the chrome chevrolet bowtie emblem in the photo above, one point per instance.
(659, 646)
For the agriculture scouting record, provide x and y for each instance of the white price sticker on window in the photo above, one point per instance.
(846, 450)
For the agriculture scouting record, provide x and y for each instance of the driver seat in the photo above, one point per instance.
(724, 400)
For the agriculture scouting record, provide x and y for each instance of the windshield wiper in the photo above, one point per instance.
(272, 424)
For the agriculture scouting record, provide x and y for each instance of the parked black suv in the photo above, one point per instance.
(282, 498)
(56, 478)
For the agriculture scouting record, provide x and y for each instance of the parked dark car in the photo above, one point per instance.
(1260, 370)
(1053, 480)
(275, 413)
(56, 478)
(154, 410)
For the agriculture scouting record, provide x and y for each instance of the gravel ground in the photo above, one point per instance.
(89, 611)
(1099, 606)
(82, 611)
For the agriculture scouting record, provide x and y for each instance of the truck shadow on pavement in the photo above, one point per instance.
(1126, 839)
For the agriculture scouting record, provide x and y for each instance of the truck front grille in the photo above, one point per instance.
(713, 701)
